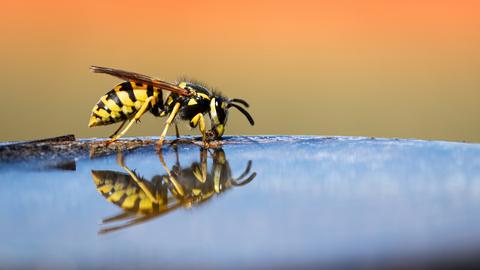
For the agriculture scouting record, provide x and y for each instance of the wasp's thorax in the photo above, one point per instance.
(217, 109)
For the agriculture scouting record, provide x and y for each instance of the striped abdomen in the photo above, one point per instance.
(122, 102)
(122, 190)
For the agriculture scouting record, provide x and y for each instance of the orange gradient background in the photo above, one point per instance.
(372, 68)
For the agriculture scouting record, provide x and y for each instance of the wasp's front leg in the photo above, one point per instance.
(199, 120)
(213, 141)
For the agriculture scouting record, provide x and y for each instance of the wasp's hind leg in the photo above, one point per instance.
(118, 129)
(148, 192)
(137, 116)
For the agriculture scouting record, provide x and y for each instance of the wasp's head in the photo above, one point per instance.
(219, 113)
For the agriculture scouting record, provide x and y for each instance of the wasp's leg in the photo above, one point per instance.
(217, 173)
(118, 129)
(201, 173)
(176, 168)
(177, 134)
(137, 116)
(140, 219)
(177, 157)
(167, 124)
(176, 131)
(178, 188)
(199, 120)
(148, 192)
(125, 215)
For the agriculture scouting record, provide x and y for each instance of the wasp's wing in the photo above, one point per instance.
(135, 77)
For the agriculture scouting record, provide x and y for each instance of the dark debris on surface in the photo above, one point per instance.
(68, 147)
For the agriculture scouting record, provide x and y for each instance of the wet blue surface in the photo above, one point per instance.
(314, 201)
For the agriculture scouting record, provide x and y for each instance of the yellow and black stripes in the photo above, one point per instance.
(180, 187)
(130, 100)
(122, 102)
(120, 189)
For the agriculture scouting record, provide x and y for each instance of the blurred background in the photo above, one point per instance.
(407, 69)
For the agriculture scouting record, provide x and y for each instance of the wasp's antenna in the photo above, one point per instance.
(241, 101)
(242, 110)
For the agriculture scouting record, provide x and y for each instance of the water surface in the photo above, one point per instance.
(297, 201)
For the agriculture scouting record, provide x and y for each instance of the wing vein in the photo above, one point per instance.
(140, 78)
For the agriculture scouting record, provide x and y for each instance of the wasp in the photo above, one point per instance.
(182, 187)
(128, 101)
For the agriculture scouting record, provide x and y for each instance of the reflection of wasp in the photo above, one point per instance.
(140, 93)
(143, 200)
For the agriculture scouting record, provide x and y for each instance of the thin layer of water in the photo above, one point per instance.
(299, 201)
